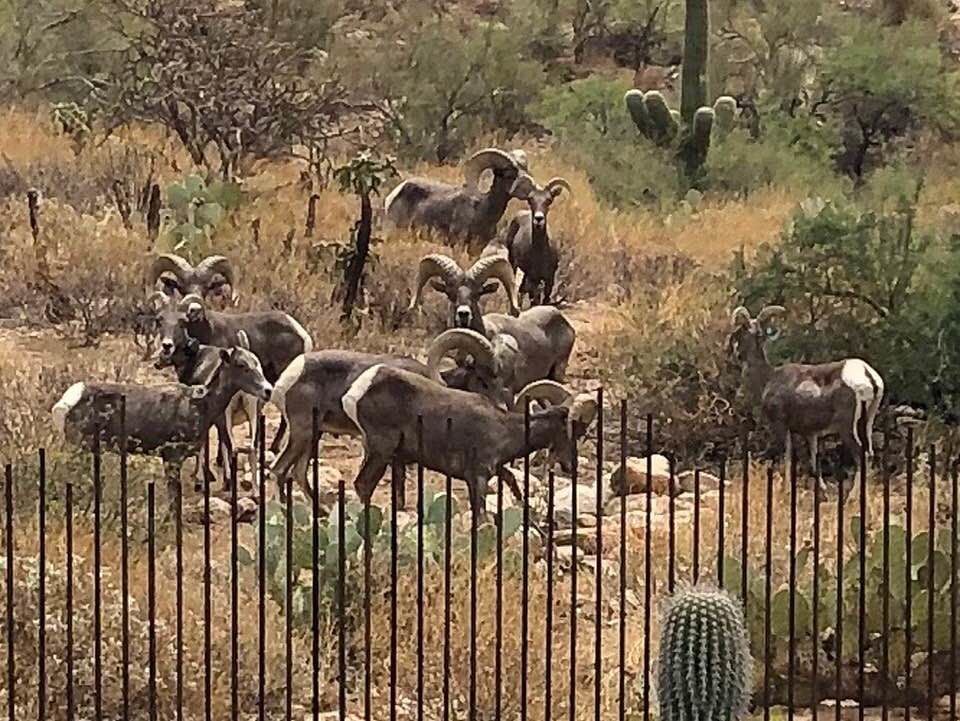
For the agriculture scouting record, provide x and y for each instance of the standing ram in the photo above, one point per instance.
(462, 212)
(385, 403)
(842, 397)
(528, 243)
(171, 420)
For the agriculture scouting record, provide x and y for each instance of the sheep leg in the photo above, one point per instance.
(278, 438)
(398, 474)
(787, 453)
(172, 463)
(814, 448)
(369, 475)
(225, 448)
(295, 453)
(514, 487)
(301, 475)
(547, 289)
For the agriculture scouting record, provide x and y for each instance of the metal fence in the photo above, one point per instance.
(122, 609)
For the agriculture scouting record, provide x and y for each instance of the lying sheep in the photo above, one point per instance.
(171, 420)
(462, 212)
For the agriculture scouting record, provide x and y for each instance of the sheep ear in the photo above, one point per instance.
(226, 354)
(438, 285)
(193, 345)
(243, 340)
(490, 287)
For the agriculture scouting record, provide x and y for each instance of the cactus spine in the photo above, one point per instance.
(696, 123)
(705, 666)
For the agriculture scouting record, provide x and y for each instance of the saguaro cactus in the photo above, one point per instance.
(705, 666)
(693, 127)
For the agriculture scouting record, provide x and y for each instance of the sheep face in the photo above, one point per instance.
(539, 202)
(244, 369)
(749, 336)
(211, 279)
(465, 303)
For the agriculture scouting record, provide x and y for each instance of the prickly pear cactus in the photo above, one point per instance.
(705, 666)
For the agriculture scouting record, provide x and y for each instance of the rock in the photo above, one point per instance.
(220, 512)
(686, 482)
(634, 502)
(329, 476)
(587, 520)
(247, 509)
(563, 503)
(491, 500)
(585, 540)
(636, 476)
(535, 484)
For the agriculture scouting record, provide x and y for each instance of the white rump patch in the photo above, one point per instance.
(393, 196)
(66, 403)
(302, 332)
(861, 379)
(809, 389)
(357, 391)
(291, 374)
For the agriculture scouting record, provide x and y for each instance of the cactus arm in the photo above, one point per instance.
(696, 51)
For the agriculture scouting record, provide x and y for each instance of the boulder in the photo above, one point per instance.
(563, 503)
(686, 482)
(632, 478)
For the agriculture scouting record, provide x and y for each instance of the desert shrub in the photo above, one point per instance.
(596, 133)
(862, 282)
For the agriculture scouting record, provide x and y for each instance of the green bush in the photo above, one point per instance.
(596, 134)
(195, 209)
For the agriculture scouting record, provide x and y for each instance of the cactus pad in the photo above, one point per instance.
(704, 667)
(663, 126)
(725, 111)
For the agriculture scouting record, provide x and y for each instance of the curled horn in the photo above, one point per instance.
(488, 158)
(463, 339)
(550, 391)
(498, 267)
(433, 266)
(558, 183)
(217, 264)
(523, 187)
(740, 317)
(771, 311)
(583, 409)
(169, 263)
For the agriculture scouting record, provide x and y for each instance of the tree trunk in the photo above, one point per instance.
(153, 215)
(696, 54)
(354, 271)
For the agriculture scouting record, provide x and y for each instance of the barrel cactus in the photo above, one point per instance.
(705, 665)
(693, 127)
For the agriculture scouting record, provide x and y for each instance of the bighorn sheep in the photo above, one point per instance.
(807, 400)
(275, 337)
(194, 364)
(170, 420)
(464, 211)
(385, 404)
(528, 243)
(465, 288)
(211, 279)
(318, 381)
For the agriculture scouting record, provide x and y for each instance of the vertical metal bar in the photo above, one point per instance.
(420, 569)
(179, 630)
(341, 602)
(68, 621)
(647, 568)
(548, 639)
(885, 598)
(953, 590)
(908, 572)
(288, 601)
(394, 499)
(525, 570)
(42, 590)
(768, 593)
(839, 626)
(696, 525)
(672, 534)
(862, 609)
(207, 608)
(234, 595)
(573, 590)
(792, 640)
(815, 621)
(447, 567)
(97, 572)
(622, 610)
(262, 574)
(473, 595)
(125, 570)
(931, 571)
(315, 571)
(598, 576)
(721, 521)
(11, 629)
(152, 600)
(498, 621)
(745, 523)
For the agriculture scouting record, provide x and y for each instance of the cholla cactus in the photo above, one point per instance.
(705, 666)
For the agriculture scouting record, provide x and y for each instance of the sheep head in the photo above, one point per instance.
(579, 409)
(478, 367)
(539, 199)
(749, 336)
(176, 323)
(509, 170)
(465, 288)
(212, 279)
